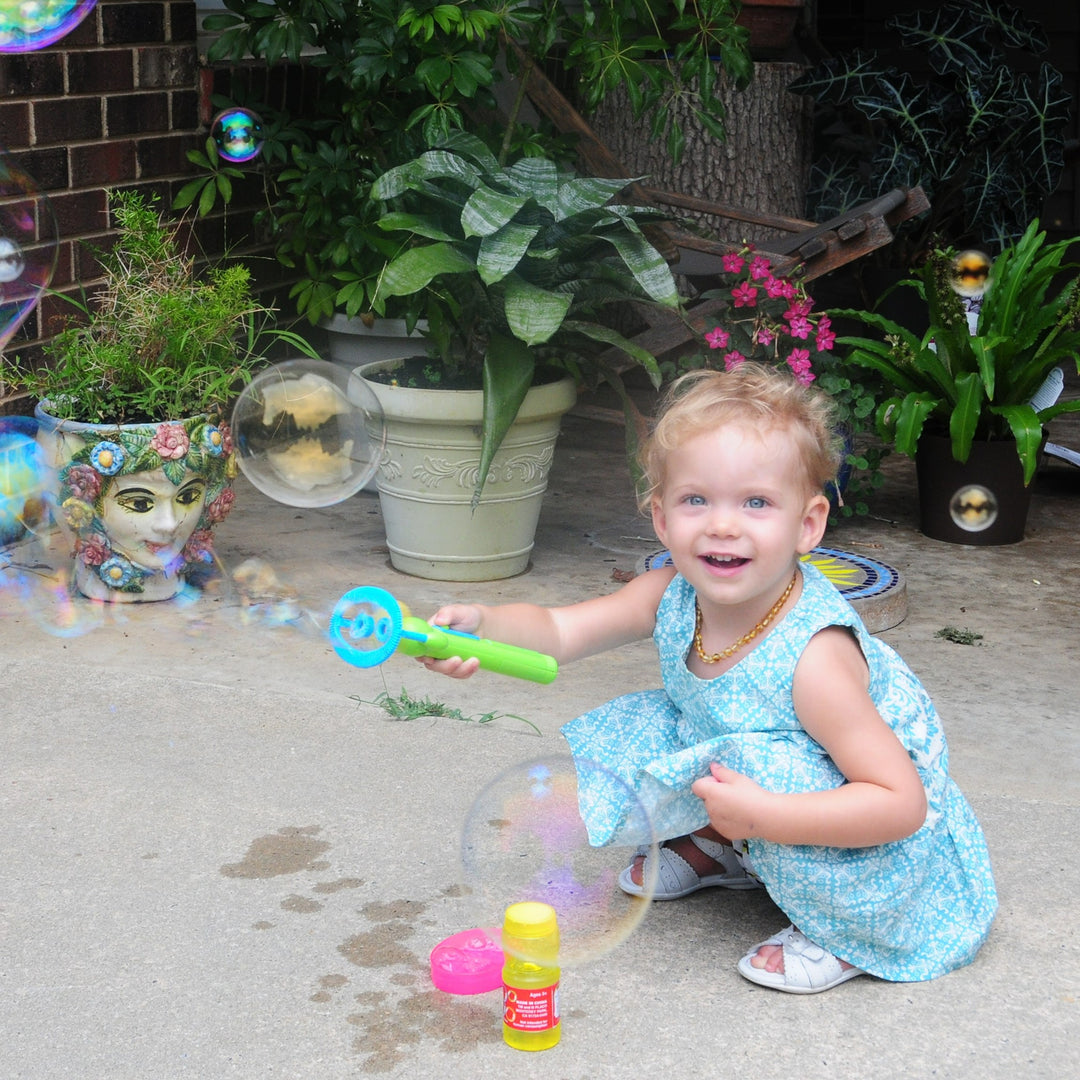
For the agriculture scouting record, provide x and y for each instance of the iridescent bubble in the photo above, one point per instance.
(524, 839)
(238, 135)
(36, 586)
(22, 503)
(308, 432)
(26, 25)
(28, 246)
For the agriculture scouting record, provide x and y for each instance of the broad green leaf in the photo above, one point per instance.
(649, 267)
(417, 267)
(965, 414)
(911, 416)
(533, 314)
(488, 210)
(420, 224)
(508, 373)
(1028, 431)
(502, 252)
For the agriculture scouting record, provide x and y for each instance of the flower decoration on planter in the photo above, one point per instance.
(769, 319)
(143, 500)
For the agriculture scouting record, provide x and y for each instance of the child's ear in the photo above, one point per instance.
(815, 519)
(659, 520)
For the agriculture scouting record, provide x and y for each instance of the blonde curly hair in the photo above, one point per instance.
(754, 395)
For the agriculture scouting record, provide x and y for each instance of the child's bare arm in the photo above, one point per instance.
(567, 633)
(884, 799)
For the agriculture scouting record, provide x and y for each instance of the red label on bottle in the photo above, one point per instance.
(531, 1010)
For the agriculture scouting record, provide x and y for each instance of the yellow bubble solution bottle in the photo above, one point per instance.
(530, 940)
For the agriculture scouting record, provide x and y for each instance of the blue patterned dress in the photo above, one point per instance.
(908, 910)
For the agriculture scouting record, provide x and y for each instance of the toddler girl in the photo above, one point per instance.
(789, 748)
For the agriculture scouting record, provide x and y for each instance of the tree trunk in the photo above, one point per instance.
(762, 166)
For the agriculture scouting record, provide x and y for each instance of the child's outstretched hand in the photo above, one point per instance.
(734, 803)
(464, 618)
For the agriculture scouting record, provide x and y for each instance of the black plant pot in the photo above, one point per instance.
(982, 501)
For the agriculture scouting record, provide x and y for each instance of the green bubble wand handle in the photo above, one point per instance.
(368, 626)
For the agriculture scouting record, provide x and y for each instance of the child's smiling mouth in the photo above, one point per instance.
(725, 562)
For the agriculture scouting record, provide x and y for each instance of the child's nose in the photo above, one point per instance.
(723, 521)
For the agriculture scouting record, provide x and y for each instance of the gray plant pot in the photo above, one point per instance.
(429, 472)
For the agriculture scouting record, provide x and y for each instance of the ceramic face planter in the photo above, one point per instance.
(139, 501)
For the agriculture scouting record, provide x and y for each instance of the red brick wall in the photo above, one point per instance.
(114, 104)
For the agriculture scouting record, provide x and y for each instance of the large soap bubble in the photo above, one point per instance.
(22, 503)
(308, 432)
(238, 135)
(27, 246)
(26, 25)
(524, 839)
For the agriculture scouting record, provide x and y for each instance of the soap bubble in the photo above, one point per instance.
(26, 25)
(524, 839)
(308, 432)
(28, 247)
(22, 503)
(238, 135)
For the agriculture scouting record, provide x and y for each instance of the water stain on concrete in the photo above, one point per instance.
(303, 905)
(381, 946)
(288, 851)
(337, 886)
(389, 1030)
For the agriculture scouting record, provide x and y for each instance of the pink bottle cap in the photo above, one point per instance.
(468, 962)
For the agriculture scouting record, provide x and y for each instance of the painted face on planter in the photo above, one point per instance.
(149, 519)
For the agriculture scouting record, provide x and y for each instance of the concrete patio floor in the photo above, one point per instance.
(219, 859)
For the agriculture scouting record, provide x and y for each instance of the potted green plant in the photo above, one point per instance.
(131, 401)
(961, 397)
(514, 269)
(982, 131)
(392, 78)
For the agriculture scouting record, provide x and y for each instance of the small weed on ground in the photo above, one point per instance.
(959, 637)
(404, 706)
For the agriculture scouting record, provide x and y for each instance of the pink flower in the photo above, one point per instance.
(94, 550)
(717, 338)
(825, 339)
(733, 359)
(84, 482)
(764, 335)
(745, 295)
(800, 327)
(775, 287)
(800, 308)
(732, 263)
(171, 441)
(199, 547)
(799, 362)
(219, 509)
(760, 268)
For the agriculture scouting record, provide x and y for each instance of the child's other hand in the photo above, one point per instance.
(455, 667)
(733, 802)
(464, 618)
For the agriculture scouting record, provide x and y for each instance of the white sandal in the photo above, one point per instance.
(808, 968)
(677, 878)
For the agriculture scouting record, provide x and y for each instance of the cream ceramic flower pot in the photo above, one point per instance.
(430, 468)
(137, 502)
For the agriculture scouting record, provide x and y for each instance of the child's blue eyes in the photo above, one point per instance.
(755, 502)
